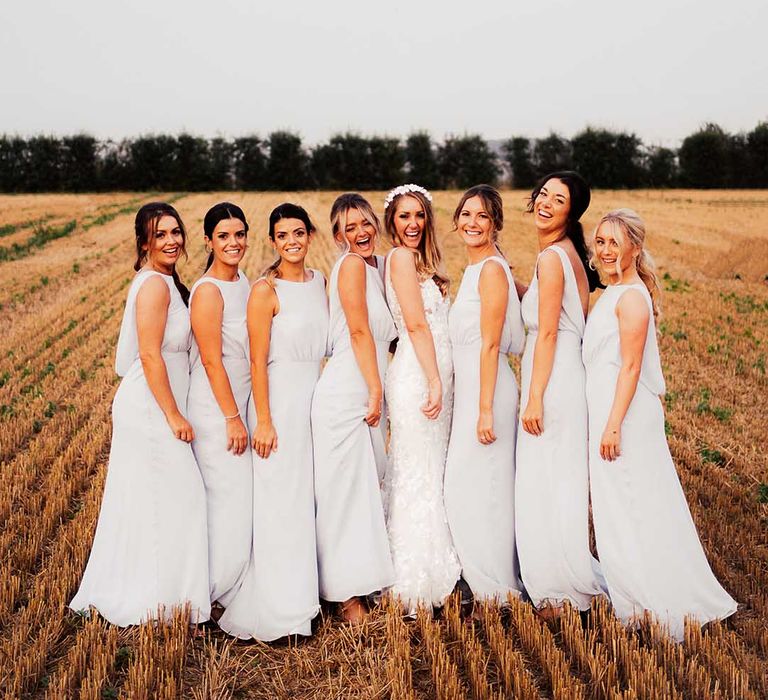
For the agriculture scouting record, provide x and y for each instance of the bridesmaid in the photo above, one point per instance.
(347, 426)
(220, 385)
(150, 551)
(552, 483)
(648, 545)
(485, 325)
(288, 328)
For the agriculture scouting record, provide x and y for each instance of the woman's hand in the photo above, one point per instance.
(373, 414)
(431, 409)
(265, 439)
(180, 427)
(237, 435)
(533, 417)
(485, 432)
(610, 443)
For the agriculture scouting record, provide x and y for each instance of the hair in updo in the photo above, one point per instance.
(285, 211)
(340, 208)
(629, 230)
(429, 259)
(580, 197)
(217, 213)
(145, 229)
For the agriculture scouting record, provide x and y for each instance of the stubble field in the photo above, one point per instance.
(65, 264)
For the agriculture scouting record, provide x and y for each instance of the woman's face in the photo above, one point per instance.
(291, 240)
(475, 225)
(410, 220)
(229, 241)
(552, 206)
(358, 232)
(614, 259)
(166, 247)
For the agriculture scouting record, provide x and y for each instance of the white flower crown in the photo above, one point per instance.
(406, 189)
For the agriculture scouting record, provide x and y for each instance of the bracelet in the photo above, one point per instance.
(237, 415)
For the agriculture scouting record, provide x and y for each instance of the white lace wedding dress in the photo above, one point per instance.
(425, 561)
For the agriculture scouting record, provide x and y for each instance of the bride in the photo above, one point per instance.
(419, 393)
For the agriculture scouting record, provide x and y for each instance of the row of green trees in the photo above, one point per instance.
(709, 158)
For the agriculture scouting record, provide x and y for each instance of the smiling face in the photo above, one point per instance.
(291, 240)
(167, 245)
(229, 241)
(614, 255)
(357, 232)
(552, 206)
(475, 224)
(410, 220)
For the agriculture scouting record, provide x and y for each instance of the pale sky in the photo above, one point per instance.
(495, 67)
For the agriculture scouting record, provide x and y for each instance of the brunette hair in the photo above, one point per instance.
(145, 228)
(628, 228)
(220, 212)
(428, 256)
(340, 207)
(580, 197)
(285, 211)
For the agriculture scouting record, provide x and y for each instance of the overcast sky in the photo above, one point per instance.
(659, 68)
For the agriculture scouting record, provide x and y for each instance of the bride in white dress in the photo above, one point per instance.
(419, 394)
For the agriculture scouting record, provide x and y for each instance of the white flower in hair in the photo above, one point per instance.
(406, 189)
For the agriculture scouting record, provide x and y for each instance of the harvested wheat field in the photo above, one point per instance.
(65, 263)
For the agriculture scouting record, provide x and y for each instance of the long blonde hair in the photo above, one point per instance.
(429, 259)
(628, 228)
(340, 207)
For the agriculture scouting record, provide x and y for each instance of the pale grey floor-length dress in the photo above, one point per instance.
(350, 459)
(151, 544)
(425, 561)
(480, 479)
(279, 594)
(552, 483)
(649, 549)
(228, 477)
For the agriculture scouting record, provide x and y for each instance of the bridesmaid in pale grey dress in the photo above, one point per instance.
(288, 328)
(552, 483)
(347, 424)
(220, 384)
(647, 541)
(485, 326)
(150, 551)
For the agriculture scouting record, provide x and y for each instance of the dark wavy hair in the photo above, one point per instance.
(580, 196)
(220, 212)
(286, 210)
(145, 228)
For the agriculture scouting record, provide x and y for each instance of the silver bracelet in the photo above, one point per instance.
(237, 415)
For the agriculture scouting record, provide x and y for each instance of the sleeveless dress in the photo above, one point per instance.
(425, 562)
(480, 479)
(278, 596)
(228, 477)
(151, 543)
(648, 545)
(350, 459)
(552, 484)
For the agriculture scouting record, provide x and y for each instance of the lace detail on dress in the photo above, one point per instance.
(426, 565)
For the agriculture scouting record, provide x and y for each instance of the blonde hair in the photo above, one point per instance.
(628, 228)
(339, 210)
(429, 259)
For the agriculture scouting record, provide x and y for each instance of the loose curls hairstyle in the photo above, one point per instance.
(580, 197)
(429, 259)
(145, 229)
(342, 205)
(629, 229)
(220, 212)
(284, 211)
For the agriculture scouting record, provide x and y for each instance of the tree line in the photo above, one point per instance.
(709, 158)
